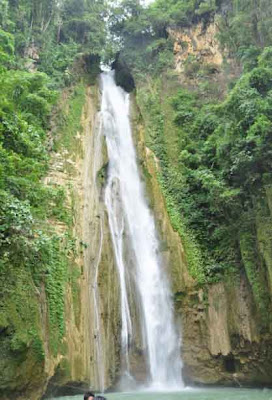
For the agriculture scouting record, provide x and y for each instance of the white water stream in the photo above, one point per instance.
(132, 222)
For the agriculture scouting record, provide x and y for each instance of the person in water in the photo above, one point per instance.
(89, 396)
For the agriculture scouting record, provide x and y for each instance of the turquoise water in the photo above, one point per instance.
(190, 394)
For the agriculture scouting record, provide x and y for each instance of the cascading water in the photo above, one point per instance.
(130, 218)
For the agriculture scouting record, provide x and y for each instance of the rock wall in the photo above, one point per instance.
(198, 42)
(223, 340)
(220, 327)
(90, 351)
(70, 170)
(93, 348)
(102, 302)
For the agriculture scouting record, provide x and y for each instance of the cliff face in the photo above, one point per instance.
(91, 357)
(224, 335)
(198, 42)
(199, 45)
(87, 353)
(102, 297)
(219, 323)
(225, 340)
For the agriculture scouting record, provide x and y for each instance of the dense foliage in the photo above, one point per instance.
(40, 42)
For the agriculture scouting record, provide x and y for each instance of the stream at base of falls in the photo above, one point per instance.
(190, 394)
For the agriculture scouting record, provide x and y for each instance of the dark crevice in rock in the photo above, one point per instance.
(123, 75)
(229, 364)
(55, 389)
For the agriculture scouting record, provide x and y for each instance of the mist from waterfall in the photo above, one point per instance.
(132, 222)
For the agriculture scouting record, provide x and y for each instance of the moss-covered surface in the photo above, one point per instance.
(33, 295)
(21, 345)
(64, 270)
(69, 125)
(245, 244)
(161, 136)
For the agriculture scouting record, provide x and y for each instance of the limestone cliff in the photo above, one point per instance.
(221, 328)
(87, 354)
(220, 323)
(92, 335)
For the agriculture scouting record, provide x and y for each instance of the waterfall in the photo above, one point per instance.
(132, 222)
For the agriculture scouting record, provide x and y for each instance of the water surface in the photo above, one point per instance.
(191, 394)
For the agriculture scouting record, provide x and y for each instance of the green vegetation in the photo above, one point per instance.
(225, 162)
(44, 47)
(213, 144)
(70, 121)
